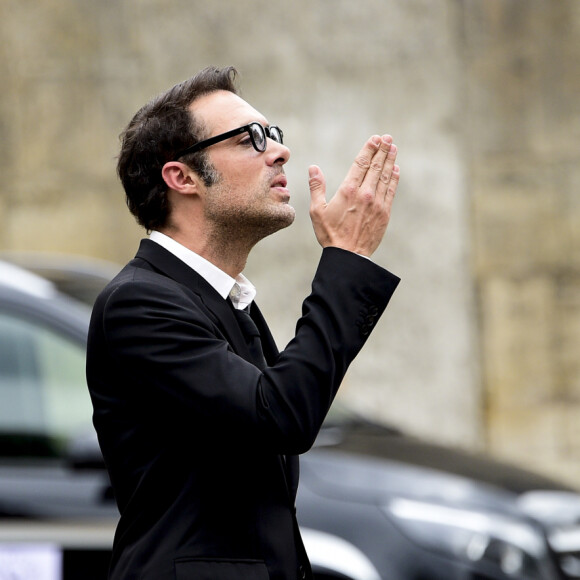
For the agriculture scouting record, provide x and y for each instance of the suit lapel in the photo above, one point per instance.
(218, 309)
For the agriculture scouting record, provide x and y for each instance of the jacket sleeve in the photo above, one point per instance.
(176, 365)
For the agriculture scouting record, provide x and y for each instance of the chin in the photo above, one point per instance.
(275, 221)
(289, 216)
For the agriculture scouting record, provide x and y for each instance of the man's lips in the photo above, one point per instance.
(279, 181)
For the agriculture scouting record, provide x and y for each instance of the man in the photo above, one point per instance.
(199, 426)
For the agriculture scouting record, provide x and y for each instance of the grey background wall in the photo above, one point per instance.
(479, 346)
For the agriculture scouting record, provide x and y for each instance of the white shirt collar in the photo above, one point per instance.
(240, 290)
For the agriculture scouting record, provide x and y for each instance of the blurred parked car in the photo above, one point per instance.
(373, 503)
(81, 277)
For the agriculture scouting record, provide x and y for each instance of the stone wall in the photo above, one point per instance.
(477, 347)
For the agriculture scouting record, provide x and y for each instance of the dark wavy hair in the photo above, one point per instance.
(156, 133)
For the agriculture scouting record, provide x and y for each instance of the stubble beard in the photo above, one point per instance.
(245, 225)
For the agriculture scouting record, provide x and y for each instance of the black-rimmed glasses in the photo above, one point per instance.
(257, 133)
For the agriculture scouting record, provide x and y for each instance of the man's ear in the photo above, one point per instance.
(180, 177)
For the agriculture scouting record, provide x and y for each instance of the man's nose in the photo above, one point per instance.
(277, 152)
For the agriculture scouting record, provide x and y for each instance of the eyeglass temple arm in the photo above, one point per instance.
(211, 141)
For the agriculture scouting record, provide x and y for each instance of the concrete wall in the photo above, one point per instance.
(523, 72)
(480, 99)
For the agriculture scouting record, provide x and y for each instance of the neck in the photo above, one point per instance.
(229, 255)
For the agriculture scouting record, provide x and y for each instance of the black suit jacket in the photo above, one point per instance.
(200, 444)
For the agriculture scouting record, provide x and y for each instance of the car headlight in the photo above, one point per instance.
(559, 511)
(512, 545)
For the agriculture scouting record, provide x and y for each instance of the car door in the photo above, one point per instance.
(51, 513)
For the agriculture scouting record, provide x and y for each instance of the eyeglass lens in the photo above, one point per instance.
(259, 135)
(276, 134)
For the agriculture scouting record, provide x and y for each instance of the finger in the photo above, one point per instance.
(393, 184)
(361, 164)
(387, 172)
(371, 180)
(317, 184)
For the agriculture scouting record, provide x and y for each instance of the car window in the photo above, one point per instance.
(43, 394)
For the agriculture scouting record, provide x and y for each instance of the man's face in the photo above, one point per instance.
(250, 197)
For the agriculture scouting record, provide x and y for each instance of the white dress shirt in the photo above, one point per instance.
(239, 290)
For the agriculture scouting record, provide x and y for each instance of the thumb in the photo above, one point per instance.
(317, 185)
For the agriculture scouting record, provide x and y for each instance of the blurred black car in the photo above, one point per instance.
(373, 503)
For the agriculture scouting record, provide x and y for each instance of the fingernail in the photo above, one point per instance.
(376, 140)
(387, 139)
(312, 171)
